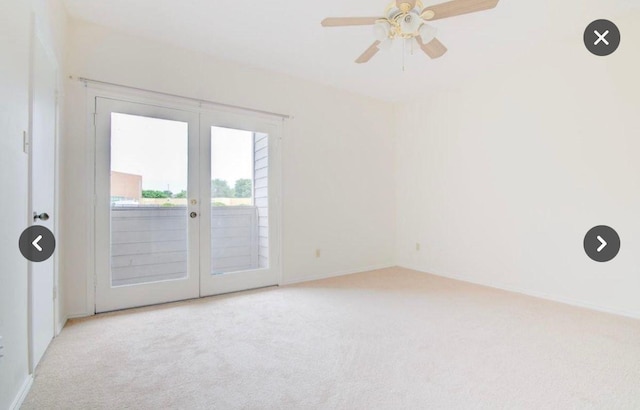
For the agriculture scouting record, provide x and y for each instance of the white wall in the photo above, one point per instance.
(15, 34)
(500, 178)
(14, 118)
(337, 172)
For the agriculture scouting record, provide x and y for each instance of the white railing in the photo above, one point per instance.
(150, 243)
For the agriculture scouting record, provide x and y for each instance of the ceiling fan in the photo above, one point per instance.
(407, 19)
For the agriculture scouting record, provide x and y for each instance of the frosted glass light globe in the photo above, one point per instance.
(427, 33)
(381, 30)
(410, 23)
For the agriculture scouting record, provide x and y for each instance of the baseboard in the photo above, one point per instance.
(335, 274)
(289, 282)
(79, 316)
(535, 294)
(60, 326)
(22, 394)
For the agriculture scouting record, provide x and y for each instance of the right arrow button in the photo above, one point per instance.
(601, 243)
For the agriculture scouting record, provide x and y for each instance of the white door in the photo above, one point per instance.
(147, 204)
(42, 195)
(240, 186)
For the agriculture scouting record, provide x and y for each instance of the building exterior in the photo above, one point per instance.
(125, 187)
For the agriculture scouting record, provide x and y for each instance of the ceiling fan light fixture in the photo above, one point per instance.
(410, 22)
(406, 21)
(427, 33)
(381, 30)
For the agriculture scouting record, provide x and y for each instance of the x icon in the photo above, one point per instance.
(601, 37)
(601, 44)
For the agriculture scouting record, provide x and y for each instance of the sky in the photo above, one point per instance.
(231, 154)
(157, 150)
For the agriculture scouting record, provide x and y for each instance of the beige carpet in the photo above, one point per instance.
(391, 339)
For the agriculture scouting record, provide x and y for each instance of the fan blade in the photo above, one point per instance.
(456, 8)
(370, 52)
(349, 21)
(433, 48)
(411, 3)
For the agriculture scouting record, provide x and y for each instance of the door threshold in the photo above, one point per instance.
(168, 304)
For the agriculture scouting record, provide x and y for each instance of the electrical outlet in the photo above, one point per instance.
(1, 348)
(417, 246)
(317, 253)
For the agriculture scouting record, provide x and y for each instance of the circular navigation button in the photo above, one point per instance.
(601, 37)
(601, 243)
(37, 243)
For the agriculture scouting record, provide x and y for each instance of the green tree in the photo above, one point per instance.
(220, 189)
(150, 193)
(243, 188)
(181, 194)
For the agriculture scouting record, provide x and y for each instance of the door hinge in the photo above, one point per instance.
(25, 142)
(95, 114)
(55, 292)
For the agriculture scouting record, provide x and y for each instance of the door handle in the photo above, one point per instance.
(43, 216)
(193, 214)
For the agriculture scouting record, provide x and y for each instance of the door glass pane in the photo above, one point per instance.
(239, 200)
(149, 167)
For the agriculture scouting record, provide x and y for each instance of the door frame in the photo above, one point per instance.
(97, 89)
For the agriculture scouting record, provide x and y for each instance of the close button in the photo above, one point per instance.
(601, 37)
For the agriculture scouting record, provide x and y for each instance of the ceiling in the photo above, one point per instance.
(285, 36)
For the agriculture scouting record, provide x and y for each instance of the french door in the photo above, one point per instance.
(240, 239)
(186, 203)
(146, 241)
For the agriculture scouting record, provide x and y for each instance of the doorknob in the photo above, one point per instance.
(193, 214)
(43, 216)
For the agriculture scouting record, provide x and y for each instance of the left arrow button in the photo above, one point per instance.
(37, 243)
